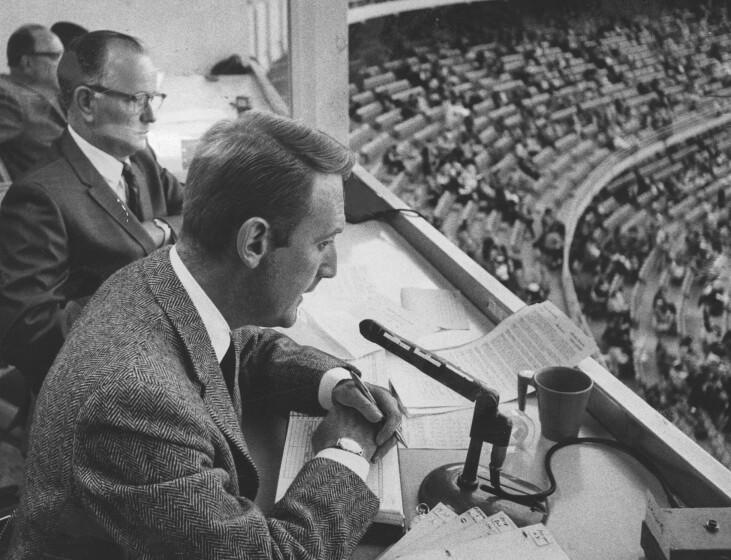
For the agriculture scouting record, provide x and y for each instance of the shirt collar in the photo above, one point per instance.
(108, 166)
(214, 323)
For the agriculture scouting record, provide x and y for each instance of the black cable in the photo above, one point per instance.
(529, 499)
(386, 214)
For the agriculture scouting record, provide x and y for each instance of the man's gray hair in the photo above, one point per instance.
(84, 62)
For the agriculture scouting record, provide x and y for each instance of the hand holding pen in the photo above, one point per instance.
(367, 393)
(378, 406)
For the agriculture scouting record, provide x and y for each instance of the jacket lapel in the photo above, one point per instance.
(102, 194)
(176, 303)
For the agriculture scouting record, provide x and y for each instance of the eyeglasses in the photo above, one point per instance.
(47, 54)
(139, 101)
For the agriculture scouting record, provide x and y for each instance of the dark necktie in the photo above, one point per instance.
(228, 368)
(230, 375)
(133, 191)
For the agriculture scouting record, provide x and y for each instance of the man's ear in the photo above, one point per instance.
(83, 98)
(253, 241)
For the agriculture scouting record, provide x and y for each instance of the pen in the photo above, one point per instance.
(363, 388)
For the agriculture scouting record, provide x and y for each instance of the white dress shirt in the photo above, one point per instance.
(220, 335)
(108, 166)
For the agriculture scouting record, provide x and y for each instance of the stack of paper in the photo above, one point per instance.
(384, 478)
(537, 336)
(442, 534)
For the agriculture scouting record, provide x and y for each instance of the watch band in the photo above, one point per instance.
(349, 445)
(167, 231)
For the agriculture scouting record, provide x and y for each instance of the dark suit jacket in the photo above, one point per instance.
(62, 233)
(135, 439)
(29, 124)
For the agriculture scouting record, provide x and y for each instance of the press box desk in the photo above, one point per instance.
(600, 503)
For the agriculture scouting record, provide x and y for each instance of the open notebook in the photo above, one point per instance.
(384, 478)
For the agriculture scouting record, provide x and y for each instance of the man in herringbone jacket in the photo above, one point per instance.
(136, 448)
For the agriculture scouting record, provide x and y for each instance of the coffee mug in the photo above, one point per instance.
(562, 393)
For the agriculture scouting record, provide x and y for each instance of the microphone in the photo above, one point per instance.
(435, 367)
(463, 485)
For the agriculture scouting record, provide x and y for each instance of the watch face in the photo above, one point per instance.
(348, 444)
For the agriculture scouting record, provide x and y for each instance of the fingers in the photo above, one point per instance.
(383, 409)
(348, 394)
(391, 414)
(383, 449)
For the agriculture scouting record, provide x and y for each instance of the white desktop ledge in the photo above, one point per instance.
(599, 506)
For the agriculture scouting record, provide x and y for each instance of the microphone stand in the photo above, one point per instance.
(465, 485)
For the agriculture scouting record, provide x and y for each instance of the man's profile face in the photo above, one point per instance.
(44, 62)
(288, 272)
(118, 128)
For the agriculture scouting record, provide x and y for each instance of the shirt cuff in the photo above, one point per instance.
(359, 465)
(331, 378)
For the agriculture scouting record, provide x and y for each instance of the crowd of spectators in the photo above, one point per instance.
(495, 146)
(691, 258)
(699, 372)
(516, 95)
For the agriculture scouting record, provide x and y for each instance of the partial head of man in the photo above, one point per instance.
(68, 31)
(33, 53)
(109, 86)
(263, 205)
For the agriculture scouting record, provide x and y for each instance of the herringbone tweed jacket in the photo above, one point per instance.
(135, 440)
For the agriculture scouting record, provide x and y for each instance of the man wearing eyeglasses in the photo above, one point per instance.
(101, 201)
(31, 117)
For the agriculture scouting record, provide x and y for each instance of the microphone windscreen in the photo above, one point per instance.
(369, 329)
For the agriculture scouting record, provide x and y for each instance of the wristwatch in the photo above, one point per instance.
(349, 445)
(167, 231)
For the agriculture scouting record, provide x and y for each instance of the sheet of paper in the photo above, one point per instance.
(537, 336)
(442, 307)
(469, 518)
(307, 332)
(426, 522)
(383, 479)
(472, 524)
(534, 542)
(342, 324)
(437, 516)
(492, 525)
(450, 529)
(418, 390)
(450, 430)
(373, 368)
(339, 306)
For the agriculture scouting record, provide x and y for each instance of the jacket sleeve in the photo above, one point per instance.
(174, 198)
(171, 189)
(278, 373)
(147, 468)
(34, 266)
(11, 117)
